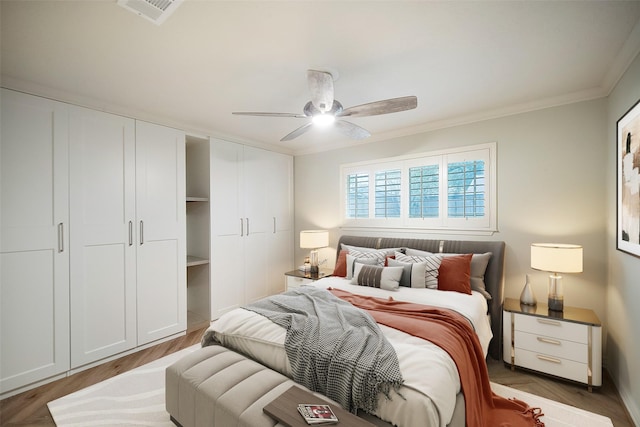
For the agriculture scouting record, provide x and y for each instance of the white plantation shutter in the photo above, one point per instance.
(449, 190)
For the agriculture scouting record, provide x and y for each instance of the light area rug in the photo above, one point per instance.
(136, 398)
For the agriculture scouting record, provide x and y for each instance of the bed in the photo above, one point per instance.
(430, 394)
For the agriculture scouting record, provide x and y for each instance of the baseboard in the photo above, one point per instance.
(630, 404)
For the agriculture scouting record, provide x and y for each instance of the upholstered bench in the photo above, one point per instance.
(217, 387)
(214, 386)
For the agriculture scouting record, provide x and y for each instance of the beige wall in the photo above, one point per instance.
(623, 292)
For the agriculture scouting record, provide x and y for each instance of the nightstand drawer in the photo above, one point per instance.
(296, 282)
(552, 328)
(552, 365)
(553, 347)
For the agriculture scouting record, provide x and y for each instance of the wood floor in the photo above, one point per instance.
(30, 408)
(604, 400)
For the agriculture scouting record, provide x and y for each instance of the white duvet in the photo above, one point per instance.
(431, 379)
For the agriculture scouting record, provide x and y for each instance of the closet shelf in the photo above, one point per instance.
(194, 260)
(197, 199)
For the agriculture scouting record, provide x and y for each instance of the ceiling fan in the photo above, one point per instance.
(323, 109)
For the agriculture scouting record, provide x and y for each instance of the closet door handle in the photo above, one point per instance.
(141, 233)
(247, 219)
(130, 233)
(274, 225)
(241, 227)
(60, 237)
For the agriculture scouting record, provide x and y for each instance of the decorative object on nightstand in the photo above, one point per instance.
(526, 296)
(314, 240)
(556, 258)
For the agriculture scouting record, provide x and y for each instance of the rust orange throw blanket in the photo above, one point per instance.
(453, 333)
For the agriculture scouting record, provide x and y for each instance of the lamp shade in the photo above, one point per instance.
(313, 239)
(556, 257)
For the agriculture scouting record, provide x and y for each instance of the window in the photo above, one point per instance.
(358, 195)
(388, 194)
(449, 190)
(424, 191)
(465, 189)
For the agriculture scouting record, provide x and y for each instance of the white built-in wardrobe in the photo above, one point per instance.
(95, 234)
(92, 237)
(251, 224)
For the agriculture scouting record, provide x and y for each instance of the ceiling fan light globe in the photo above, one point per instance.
(323, 119)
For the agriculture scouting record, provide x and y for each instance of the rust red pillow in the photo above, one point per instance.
(454, 274)
(341, 264)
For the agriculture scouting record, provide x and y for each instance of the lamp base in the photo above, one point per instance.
(556, 303)
(556, 295)
(315, 268)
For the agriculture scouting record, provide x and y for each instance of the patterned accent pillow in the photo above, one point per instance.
(424, 272)
(352, 261)
(378, 256)
(387, 278)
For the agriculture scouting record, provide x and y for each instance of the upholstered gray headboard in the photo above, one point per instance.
(493, 277)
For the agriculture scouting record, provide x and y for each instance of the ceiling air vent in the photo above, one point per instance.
(156, 11)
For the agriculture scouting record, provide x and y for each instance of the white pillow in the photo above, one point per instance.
(424, 272)
(387, 278)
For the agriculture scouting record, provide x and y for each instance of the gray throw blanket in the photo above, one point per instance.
(334, 348)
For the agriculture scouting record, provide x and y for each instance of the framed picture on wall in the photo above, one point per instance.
(628, 160)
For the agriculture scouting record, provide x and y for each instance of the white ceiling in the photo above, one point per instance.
(464, 61)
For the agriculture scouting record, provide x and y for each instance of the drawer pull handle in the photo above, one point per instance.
(549, 341)
(549, 322)
(548, 359)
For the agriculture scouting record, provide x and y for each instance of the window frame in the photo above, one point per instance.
(476, 225)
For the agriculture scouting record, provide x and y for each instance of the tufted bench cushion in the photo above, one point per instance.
(215, 386)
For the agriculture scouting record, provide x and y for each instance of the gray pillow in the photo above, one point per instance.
(405, 279)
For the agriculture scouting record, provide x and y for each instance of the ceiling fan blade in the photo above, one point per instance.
(351, 130)
(386, 106)
(296, 133)
(255, 113)
(321, 89)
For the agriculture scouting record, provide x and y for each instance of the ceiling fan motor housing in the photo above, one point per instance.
(310, 110)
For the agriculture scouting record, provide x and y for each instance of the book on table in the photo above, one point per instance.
(317, 413)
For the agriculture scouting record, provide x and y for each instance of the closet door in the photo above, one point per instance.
(103, 240)
(34, 230)
(227, 228)
(254, 196)
(161, 232)
(280, 208)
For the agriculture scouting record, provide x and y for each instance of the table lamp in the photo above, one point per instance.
(314, 239)
(556, 258)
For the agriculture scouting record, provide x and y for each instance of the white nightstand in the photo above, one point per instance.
(566, 344)
(297, 278)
